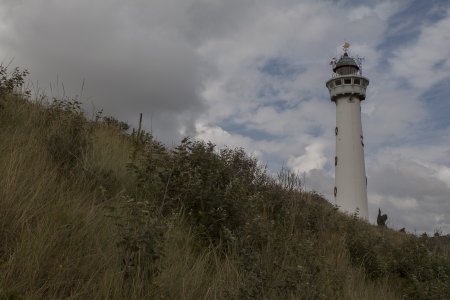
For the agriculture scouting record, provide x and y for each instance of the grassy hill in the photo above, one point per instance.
(89, 211)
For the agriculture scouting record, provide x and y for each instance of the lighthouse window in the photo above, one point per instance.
(356, 81)
(335, 160)
(338, 82)
(347, 81)
(335, 191)
(336, 131)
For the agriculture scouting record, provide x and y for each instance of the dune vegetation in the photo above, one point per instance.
(92, 210)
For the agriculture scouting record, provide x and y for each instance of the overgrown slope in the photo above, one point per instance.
(88, 211)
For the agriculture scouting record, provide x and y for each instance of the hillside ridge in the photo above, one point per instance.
(91, 211)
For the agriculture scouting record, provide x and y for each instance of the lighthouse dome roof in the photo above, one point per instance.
(346, 65)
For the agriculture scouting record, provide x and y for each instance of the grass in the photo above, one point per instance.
(89, 211)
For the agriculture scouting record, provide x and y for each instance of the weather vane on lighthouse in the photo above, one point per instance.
(347, 89)
(346, 46)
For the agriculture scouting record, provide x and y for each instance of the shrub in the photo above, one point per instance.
(70, 136)
(212, 187)
(11, 82)
(422, 273)
(215, 188)
(426, 274)
(111, 121)
(141, 232)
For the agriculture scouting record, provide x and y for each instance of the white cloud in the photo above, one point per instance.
(313, 158)
(391, 113)
(443, 173)
(382, 11)
(360, 13)
(427, 61)
(215, 133)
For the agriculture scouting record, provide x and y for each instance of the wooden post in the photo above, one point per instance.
(140, 125)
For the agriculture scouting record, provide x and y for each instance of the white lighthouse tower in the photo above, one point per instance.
(347, 89)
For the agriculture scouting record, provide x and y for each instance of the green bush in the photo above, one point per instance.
(427, 275)
(213, 188)
(422, 273)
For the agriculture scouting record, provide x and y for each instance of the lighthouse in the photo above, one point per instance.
(347, 89)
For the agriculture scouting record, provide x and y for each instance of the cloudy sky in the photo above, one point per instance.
(251, 73)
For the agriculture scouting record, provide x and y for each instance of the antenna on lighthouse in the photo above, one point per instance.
(359, 60)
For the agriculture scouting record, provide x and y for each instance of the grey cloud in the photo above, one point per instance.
(320, 181)
(411, 194)
(216, 19)
(131, 62)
